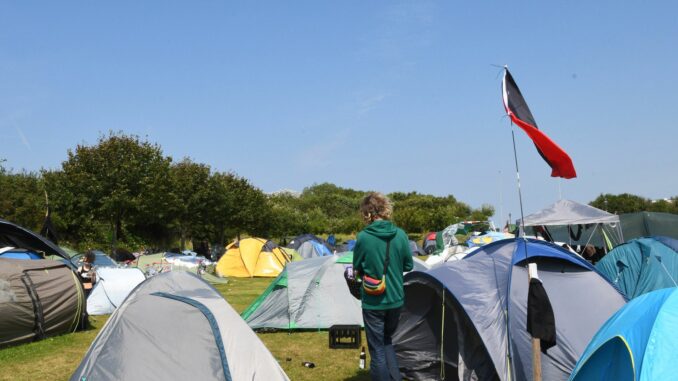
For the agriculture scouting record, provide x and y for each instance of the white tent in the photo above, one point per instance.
(569, 214)
(112, 287)
(175, 326)
(308, 294)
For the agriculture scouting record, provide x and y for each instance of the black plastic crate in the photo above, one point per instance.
(344, 336)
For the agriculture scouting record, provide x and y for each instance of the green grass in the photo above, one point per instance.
(56, 358)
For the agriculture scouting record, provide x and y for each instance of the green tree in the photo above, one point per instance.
(190, 185)
(622, 203)
(22, 199)
(122, 179)
(236, 207)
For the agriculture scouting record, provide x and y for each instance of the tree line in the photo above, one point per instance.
(629, 203)
(124, 191)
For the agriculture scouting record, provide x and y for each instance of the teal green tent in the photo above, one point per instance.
(638, 343)
(645, 224)
(642, 265)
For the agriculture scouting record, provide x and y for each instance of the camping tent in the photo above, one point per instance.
(38, 298)
(415, 249)
(111, 288)
(309, 294)
(432, 242)
(308, 246)
(642, 265)
(639, 342)
(645, 224)
(175, 326)
(567, 221)
(16, 236)
(13, 253)
(252, 257)
(474, 312)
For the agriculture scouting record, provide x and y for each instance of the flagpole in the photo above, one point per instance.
(536, 344)
(520, 193)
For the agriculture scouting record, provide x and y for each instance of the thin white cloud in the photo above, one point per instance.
(23, 138)
(368, 104)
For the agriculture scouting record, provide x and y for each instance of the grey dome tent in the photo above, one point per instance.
(175, 326)
(473, 311)
(577, 224)
(308, 294)
(309, 246)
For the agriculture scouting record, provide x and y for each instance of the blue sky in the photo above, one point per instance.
(381, 95)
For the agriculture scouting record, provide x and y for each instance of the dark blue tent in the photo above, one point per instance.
(473, 311)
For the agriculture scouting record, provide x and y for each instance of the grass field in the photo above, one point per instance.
(56, 358)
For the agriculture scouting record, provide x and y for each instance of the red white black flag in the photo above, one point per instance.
(516, 108)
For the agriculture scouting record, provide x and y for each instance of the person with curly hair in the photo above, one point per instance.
(380, 256)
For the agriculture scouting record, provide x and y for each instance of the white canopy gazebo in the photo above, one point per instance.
(566, 220)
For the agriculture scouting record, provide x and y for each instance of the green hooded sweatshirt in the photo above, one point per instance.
(369, 255)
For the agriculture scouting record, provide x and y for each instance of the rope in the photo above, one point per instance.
(666, 270)
(442, 339)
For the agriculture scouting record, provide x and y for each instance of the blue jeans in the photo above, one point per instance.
(379, 327)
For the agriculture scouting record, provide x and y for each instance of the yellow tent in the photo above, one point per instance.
(252, 257)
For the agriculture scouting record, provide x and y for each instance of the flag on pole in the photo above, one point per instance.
(516, 108)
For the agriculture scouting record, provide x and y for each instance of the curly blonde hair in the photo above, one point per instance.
(376, 205)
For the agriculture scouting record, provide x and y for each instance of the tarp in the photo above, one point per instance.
(252, 257)
(568, 212)
(642, 265)
(38, 299)
(638, 343)
(175, 326)
(574, 223)
(474, 312)
(310, 294)
(111, 288)
(489, 237)
(646, 224)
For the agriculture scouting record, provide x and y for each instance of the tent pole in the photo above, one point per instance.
(536, 343)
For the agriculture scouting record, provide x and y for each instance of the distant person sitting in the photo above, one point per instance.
(86, 270)
(591, 254)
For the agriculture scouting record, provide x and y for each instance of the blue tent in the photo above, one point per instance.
(639, 342)
(310, 246)
(20, 254)
(642, 265)
(474, 312)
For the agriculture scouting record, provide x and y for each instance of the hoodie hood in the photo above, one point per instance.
(383, 229)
